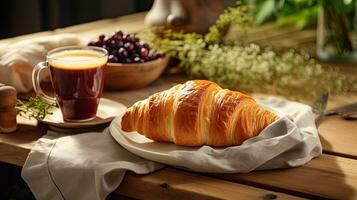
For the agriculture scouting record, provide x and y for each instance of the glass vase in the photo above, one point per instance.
(337, 31)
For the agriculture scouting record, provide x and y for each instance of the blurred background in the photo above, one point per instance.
(18, 17)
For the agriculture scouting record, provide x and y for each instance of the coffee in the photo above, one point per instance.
(77, 78)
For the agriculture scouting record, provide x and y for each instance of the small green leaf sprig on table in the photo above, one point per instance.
(248, 68)
(35, 107)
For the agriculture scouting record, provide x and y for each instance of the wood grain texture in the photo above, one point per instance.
(338, 136)
(14, 147)
(175, 184)
(133, 76)
(327, 176)
(314, 179)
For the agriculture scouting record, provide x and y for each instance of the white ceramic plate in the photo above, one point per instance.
(152, 150)
(107, 110)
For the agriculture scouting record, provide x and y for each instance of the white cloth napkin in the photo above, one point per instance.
(91, 165)
(289, 142)
(84, 166)
(18, 59)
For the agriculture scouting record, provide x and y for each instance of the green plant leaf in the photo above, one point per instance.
(341, 6)
(305, 18)
(264, 11)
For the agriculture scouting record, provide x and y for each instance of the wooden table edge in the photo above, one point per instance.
(19, 160)
(163, 183)
(154, 183)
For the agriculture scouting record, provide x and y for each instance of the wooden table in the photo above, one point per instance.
(331, 175)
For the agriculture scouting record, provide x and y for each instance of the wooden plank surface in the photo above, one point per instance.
(327, 170)
(315, 179)
(312, 180)
(176, 184)
(326, 176)
(338, 136)
(14, 147)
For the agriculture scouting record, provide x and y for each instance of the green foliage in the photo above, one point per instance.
(248, 68)
(337, 30)
(230, 16)
(301, 19)
(302, 13)
(342, 6)
(265, 10)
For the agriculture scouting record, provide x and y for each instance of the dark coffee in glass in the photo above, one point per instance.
(77, 76)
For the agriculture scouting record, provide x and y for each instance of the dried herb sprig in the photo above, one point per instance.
(35, 107)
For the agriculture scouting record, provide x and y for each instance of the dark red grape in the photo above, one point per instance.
(113, 44)
(117, 37)
(134, 54)
(106, 47)
(135, 39)
(145, 45)
(129, 38)
(119, 44)
(101, 38)
(129, 46)
(126, 38)
(90, 44)
(125, 48)
(114, 52)
(112, 59)
(137, 47)
(136, 59)
(96, 43)
(159, 55)
(144, 52)
(122, 53)
(108, 41)
(149, 58)
(119, 32)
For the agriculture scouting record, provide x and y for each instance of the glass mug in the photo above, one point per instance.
(77, 76)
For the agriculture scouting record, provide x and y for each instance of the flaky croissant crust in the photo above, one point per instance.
(196, 113)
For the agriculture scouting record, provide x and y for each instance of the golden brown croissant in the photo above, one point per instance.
(196, 113)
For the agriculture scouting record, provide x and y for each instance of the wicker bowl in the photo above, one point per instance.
(125, 76)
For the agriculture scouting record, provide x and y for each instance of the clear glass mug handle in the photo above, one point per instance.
(36, 82)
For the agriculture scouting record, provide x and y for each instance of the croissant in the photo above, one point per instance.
(196, 113)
